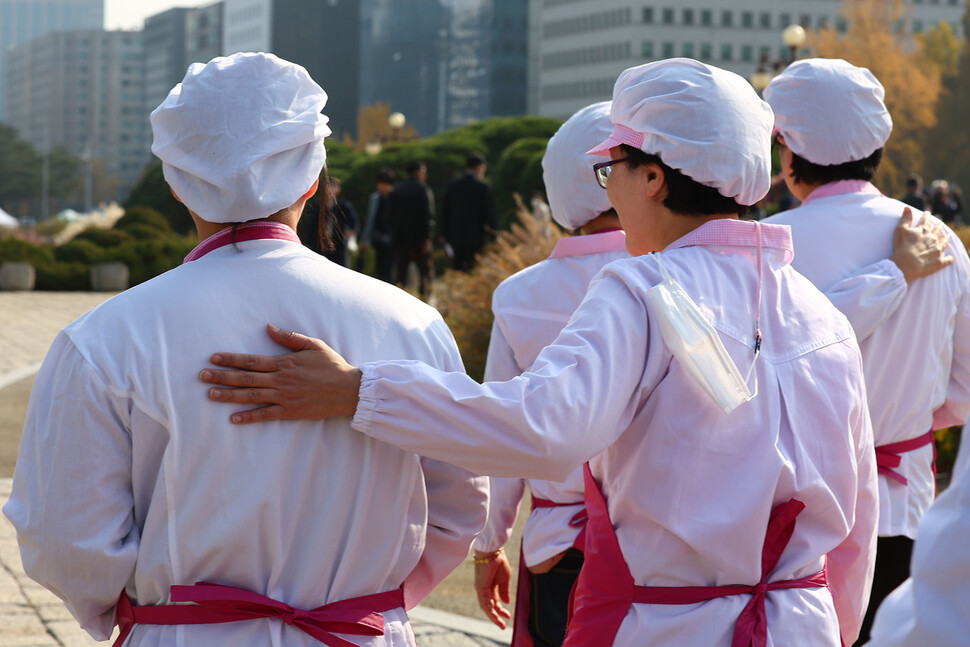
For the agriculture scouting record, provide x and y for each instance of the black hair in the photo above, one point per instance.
(414, 166)
(805, 172)
(386, 176)
(685, 196)
(474, 160)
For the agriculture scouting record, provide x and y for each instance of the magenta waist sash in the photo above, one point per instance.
(216, 603)
(887, 456)
(751, 626)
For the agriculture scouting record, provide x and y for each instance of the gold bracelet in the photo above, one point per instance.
(488, 559)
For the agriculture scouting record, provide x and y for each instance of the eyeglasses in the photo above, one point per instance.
(602, 170)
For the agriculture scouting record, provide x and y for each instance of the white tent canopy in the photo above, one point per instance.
(6, 220)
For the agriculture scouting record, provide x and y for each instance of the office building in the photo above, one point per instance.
(84, 90)
(24, 20)
(174, 39)
(578, 47)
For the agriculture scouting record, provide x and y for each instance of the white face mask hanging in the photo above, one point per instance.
(696, 344)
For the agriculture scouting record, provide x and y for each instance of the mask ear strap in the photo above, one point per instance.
(757, 320)
(663, 270)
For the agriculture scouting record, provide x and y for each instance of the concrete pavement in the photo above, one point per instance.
(30, 616)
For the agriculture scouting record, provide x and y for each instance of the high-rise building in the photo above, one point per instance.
(442, 63)
(174, 39)
(577, 48)
(164, 38)
(203, 33)
(24, 20)
(84, 90)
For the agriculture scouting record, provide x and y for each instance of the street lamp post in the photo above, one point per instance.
(793, 36)
(396, 121)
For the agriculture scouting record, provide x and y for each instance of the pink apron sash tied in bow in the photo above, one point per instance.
(216, 603)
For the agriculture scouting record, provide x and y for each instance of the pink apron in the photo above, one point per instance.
(605, 589)
(523, 590)
(216, 603)
(887, 456)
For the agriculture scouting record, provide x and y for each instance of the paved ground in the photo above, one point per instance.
(30, 616)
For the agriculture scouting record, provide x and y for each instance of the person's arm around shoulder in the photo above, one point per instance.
(870, 296)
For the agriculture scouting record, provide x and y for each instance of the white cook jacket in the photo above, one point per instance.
(932, 607)
(917, 362)
(530, 308)
(130, 477)
(689, 488)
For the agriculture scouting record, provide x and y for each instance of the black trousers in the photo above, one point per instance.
(549, 606)
(893, 555)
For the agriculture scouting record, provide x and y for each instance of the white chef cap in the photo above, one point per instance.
(829, 111)
(574, 196)
(706, 122)
(241, 137)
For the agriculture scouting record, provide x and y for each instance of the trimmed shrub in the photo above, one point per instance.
(143, 217)
(78, 251)
(104, 238)
(14, 249)
(63, 277)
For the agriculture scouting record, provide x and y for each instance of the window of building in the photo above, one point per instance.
(842, 25)
(648, 15)
(727, 19)
(687, 50)
(688, 16)
(646, 49)
(747, 53)
(668, 50)
(764, 20)
(784, 19)
(726, 52)
(707, 17)
(706, 53)
(805, 20)
(668, 16)
(918, 27)
(747, 19)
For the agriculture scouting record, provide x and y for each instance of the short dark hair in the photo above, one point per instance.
(474, 160)
(386, 176)
(685, 196)
(805, 172)
(414, 166)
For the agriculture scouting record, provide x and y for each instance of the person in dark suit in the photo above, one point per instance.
(468, 214)
(411, 210)
(914, 192)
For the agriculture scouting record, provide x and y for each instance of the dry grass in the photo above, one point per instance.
(465, 299)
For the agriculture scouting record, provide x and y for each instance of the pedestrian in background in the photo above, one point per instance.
(468, 214)
(411, 211)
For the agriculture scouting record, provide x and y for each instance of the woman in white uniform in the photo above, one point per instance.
(132, 492)
(715, 517)
(530, 308)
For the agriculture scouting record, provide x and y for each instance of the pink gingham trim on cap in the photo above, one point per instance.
(620, 135)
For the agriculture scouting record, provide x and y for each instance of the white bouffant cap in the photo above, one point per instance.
(706, 122)
(241, 137)
(574, 195)
(829, 111)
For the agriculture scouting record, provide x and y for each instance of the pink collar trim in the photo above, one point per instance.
(841, 187)
(611, 241)
(262, 230)
(739, 233)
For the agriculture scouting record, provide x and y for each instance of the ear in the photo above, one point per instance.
(312, 191)
(175, 195)
(655, 181)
